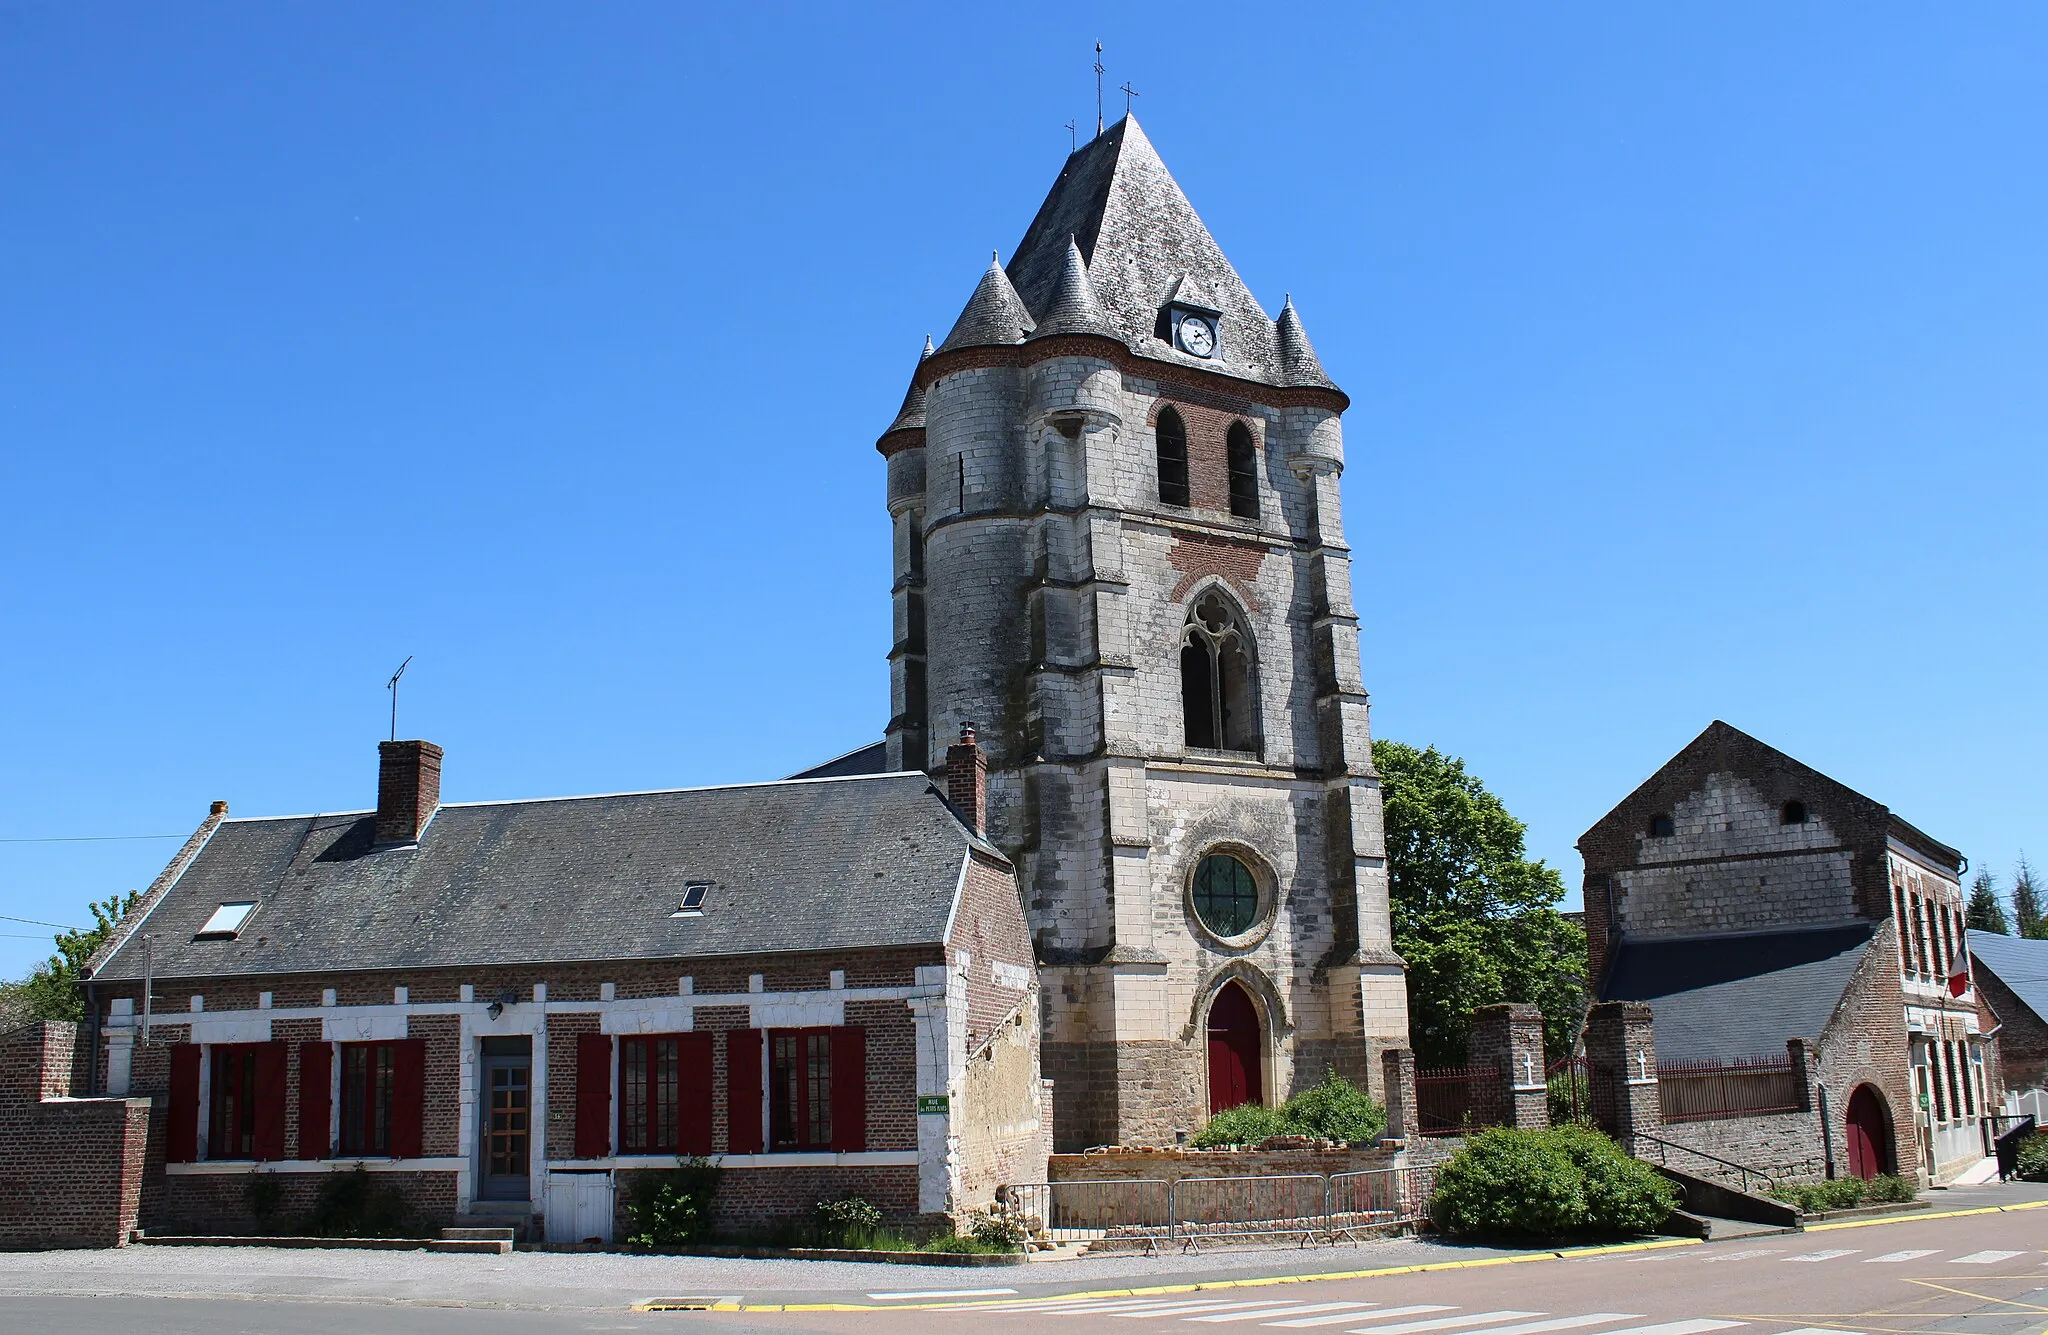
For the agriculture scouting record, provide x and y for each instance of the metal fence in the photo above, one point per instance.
(1309, 1209)
(1706, 1091)
(1570, 1089)
(1443, 1099)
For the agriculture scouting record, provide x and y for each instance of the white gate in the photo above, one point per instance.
(579, 1207)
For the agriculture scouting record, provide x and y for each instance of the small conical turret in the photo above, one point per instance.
(910, 417)
(1074, 308)
(995, 314)
(1299, 364)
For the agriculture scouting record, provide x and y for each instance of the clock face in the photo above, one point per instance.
(1197, 335)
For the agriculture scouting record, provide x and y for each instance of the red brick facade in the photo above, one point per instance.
(71, 1169)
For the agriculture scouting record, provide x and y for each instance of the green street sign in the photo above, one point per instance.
(931, 1103)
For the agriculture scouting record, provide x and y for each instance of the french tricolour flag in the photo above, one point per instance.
(1959, 971)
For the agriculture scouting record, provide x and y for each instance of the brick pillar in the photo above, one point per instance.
(967, 779)
(1621, 1068)
(1803, 1059)
(1505, 1049)
(1398, 1068)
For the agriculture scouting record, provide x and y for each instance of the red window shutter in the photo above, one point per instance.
(693, 1093)
(408, 1098)
(269, 1100)
(593, 1096)
(849, 1088)
(316, 1098)
(182, 1141)
(743, 1091)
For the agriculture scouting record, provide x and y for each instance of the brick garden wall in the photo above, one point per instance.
(71, 1169)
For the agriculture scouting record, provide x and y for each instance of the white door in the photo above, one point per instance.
(579, 1207)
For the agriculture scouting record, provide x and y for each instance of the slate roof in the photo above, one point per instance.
(824, 864)
(1143, 244)
(2020, 964)
(1740, 994)
(870, 759)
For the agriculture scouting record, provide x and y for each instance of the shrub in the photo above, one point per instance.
(1623, 1195)
(847, 1222)
(1844, 1193)
(673, 1208)
(996, 1230)
(1890, 1189)
(2033, 1158)
(355, 1205)
(1509, 1184)
(264, 1194)
(1336, 1109)
(1246, 1124)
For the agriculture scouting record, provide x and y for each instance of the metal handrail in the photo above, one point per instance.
(1768, 1177)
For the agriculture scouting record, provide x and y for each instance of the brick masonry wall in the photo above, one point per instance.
(1166, 1165)
(1866, 1043)
(71, 1170)
(220, 1203)
(756, 1198)
(1772, 1142)
(2023, 1043)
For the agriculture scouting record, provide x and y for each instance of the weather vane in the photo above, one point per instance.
(1098, 90)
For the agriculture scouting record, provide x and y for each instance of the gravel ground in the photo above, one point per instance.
(598, 1280)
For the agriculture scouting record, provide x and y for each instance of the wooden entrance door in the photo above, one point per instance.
(1236, 1050)
(506, 1105)
(1868, 1133)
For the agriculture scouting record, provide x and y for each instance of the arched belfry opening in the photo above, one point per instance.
(1217, 703)
(1237, 1050)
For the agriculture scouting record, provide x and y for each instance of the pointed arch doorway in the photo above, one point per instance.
(1869, 1133)
(1237, 1050)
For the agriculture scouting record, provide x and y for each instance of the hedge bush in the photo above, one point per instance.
(1845, 1193)
(673, 1208)
(1547, 1185)
(1336, 1110)
(2033, 1159)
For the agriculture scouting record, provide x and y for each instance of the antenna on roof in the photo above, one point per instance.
(1098, 90)
(392, 686)
(1129, 93)
(1073, 137)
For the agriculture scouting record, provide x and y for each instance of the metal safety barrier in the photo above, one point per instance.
(1311, 1209)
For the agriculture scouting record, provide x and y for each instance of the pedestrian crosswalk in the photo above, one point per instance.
(1351, 1317)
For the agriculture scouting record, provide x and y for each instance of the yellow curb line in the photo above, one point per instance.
(1913, 1217)
(1262, 1281)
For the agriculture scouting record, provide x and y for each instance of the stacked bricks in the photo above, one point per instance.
(1621, 1068)
(71, 1168)
(1398, 1066)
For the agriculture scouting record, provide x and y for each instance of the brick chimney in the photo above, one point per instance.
(408, 789)
(967, 779)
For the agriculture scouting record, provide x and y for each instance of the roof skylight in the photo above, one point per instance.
(693, 900)
(227, 920)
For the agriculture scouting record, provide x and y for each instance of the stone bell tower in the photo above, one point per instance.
(1119, 554)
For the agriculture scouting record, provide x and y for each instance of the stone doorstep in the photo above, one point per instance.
(468, 1246)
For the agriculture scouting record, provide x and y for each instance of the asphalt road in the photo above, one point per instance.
(1977, 1274)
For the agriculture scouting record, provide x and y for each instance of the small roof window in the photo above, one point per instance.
(693, 899)
(227, 920)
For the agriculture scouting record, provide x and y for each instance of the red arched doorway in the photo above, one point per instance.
(1869, 1127)
(1236, 1051)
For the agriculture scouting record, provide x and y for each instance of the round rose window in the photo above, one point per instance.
(1226, 896)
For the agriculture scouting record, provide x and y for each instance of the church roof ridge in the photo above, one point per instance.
(994, 315)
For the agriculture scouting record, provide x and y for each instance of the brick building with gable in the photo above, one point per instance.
(510, 1009)
(1753, 902)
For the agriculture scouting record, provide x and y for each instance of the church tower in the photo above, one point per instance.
(1119, 557)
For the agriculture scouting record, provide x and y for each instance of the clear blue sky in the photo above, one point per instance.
(1697, 356)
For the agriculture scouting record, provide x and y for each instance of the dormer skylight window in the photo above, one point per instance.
(693, 900)
(226, 922)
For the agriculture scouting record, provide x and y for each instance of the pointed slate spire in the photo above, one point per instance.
(910, 417)
(995, 314)
(1074, 308)
(1299, 364)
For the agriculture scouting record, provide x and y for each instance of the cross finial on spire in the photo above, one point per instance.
(1073, 137)
(1129, 93)
(1098, 90)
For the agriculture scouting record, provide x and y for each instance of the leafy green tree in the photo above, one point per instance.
(1987, 911)
(1475, 918)
(2027, 918)
(52, 991)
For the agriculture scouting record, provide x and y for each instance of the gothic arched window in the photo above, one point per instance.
(1244, 472)
(1216, 697)
(1172, 434)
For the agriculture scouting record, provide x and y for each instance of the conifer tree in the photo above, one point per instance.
(1987, 911)
(2027, 917)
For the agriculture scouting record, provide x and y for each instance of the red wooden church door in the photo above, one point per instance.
(1867, 1133)
(1236, 1053)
